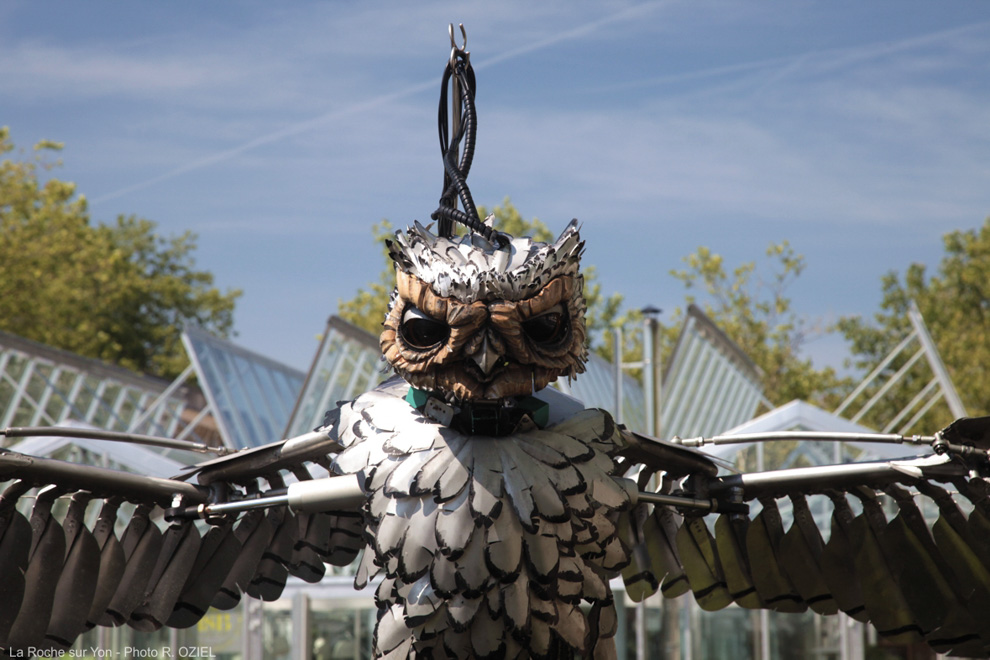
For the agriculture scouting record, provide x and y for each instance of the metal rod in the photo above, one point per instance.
(918, 398)
(873, 374)
(649, 372)
(100, 481)
(194, 423)
(342, 493)
(111, 436)
(832, 477)
(889, 438)
(935, 362)
(617, 362)
(924, 409)
(888, 385)
(336, 493)
(246, 505)
(675, 500)
(161, 399)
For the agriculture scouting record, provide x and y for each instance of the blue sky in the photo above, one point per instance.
(280, 132)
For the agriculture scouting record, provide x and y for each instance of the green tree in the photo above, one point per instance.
(755, 312)
(368, 307)
(955, 304)
(117, 292)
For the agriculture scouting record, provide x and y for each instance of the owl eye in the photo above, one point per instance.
(420, 331)
(547, 328)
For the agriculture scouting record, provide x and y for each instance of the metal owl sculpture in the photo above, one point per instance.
(489, 510)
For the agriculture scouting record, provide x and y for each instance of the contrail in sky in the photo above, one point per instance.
(294, 129)
(302, 127)
(827, 59)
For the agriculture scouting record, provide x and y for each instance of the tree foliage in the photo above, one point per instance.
(755, 312)
(117, 292)
(955, 304)
(368, 307)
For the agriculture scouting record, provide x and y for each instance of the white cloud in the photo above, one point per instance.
(38, 69)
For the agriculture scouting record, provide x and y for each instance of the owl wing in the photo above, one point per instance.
(153, 552)
(883, 561)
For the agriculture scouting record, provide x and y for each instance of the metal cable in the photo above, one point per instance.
(459, 75)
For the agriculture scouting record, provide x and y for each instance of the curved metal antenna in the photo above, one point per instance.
(454, 48)
(110, 436)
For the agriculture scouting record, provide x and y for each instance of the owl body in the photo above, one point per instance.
(492, 500)
(487, 545)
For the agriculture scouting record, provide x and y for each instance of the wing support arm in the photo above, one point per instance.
(250, 464)
(337, 493)
(779, 483)
(667, 456)
(99, 481)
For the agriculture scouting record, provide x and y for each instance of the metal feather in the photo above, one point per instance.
(667, 564)
(419, 544)
(180, 546)
(15, 543)
(486, 634)
(699, 556)
(453, 480)
(112, 562)
(472, 574)
(79, 575)
(461, 611)
(515, 604)
(883, 599)
(456, 644)
(542, 556)
(800, 557)
(273, 569)
(429, 474)
(540, 446)
(312, 547)
(401, 478)
(541, 636)
(839, 572)
(730, 539)
(254, 533)
(594, 585)
(569, 579)
(391, 632)
(763, 548)
(615, 555)
(217, 553)
(391, 531)
(41, 576)
(639, 575)
(346, 538)
(572, 626)
(421, 602)
(518, 492)
(454, 526)
(504, 547)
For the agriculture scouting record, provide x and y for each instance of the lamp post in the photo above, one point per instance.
(651, 391)
(651, 368)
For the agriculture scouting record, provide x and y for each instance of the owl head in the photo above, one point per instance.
(475, 320)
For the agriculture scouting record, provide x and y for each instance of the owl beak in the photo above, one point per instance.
(486, 357)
